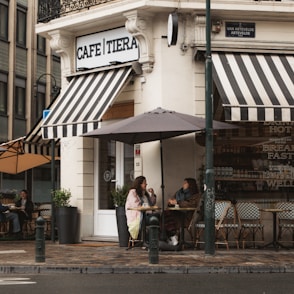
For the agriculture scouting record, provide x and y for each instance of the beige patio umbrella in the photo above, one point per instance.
(14, 159)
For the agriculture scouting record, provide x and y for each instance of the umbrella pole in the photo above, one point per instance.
(163, 233)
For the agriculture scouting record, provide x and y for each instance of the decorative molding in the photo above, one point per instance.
(139, 24)
(200, 29)
(61, 42)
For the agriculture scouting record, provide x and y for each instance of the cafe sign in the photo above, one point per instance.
(106, 48)
(240, 29)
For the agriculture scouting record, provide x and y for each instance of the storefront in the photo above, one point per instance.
(253, 88)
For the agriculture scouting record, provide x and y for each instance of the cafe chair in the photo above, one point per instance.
(4, 228)
(286, 222)
(231, 225)
(29, 226)
(251, 224)
(45, 210)
(221, 209)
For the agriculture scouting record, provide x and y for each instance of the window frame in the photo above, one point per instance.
(4, 20)
(3, 98)
(20, 105)
(21, 26)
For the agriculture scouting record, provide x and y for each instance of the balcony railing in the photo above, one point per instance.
(51, 9)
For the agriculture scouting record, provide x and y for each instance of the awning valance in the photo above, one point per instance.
(80, 108)
(255, 87)
(35, 144)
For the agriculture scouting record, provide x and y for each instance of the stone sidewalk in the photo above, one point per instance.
(106, 257)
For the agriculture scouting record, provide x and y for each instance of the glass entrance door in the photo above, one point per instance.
(116, 168)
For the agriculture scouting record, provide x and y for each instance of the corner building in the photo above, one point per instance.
(120, 49)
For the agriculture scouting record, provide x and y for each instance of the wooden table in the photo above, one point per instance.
(274, 243)
(144, 209)
(183, 211)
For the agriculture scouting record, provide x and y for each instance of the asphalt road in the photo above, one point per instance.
(147, 283)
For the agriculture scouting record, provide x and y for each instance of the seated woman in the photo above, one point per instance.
(27, 207)
(137, 196)
(187, 196)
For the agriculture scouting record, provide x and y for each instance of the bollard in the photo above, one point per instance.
(40, 240)
(153, 239)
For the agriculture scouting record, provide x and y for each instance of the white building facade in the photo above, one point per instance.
(156, 74)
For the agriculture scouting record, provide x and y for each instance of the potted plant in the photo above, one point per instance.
(119, 197)
(66, 216)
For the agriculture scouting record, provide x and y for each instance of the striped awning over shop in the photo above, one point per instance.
(35, 144)
(255, 87)
(80, 108)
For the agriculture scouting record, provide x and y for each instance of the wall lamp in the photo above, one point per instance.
(216, 26)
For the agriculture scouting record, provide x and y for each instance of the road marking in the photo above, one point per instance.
(11, 251)
(15, 281)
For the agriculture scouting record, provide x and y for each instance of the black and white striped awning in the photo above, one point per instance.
(80, 108)
(255, 87)
(35, 144)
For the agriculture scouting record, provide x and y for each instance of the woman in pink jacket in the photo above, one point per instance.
(137, 196)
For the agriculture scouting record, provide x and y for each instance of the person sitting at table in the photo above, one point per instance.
(137, 196)
(6, 215)
(27, 207)
(187, 196)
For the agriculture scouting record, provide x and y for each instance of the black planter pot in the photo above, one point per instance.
(122, 228)
(67, 224)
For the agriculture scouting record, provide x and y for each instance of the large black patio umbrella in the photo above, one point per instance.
(158, 124)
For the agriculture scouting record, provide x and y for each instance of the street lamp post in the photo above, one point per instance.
(209, 198)
(54, 92)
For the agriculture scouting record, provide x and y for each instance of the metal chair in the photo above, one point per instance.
(4, 227)
(285, 221)
(250, 220)
(45, 212)
(231, 225)
(221, 210)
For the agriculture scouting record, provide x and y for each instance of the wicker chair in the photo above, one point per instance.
(250, 220)
(221, 210)
(286, 221)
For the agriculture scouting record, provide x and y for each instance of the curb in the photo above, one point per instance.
(152, 269)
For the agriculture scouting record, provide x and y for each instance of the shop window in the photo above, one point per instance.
(21, 27)
(4, 20)
(42, 182)
(13, 182)
(254, 162)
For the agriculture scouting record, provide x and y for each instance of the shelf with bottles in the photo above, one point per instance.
(229, 173)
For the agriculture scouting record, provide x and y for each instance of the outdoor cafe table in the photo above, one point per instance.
(17, 208)
(183, 211)
(144, 209)
(274, 243)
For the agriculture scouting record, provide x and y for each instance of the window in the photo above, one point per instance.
(3, 94)
(41, 100)
(20, 102)
(3, 21)
(21, 28)
(20, 99)
(41, 45)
